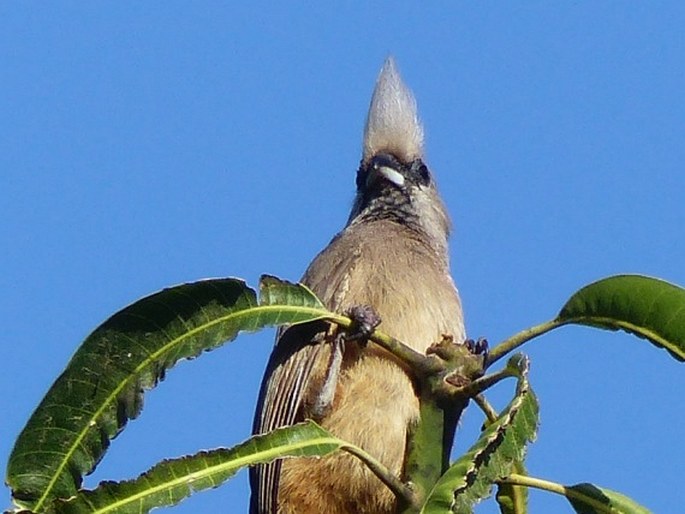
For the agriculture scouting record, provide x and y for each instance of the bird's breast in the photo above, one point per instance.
(398, 273)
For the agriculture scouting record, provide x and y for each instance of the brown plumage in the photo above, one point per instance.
(392, 255)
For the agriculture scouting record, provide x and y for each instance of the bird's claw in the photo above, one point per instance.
(364, 322)
(478, 347)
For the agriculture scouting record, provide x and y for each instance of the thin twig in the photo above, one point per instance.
(520, 338)
(485, 406)
(386, 476)
(418, 362)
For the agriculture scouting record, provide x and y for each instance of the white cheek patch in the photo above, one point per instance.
(391, 175)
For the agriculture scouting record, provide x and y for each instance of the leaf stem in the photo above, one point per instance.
(520, 338)
(481, 384)
(386, 476)
(537, 483)
(485, 406)
(580, 493)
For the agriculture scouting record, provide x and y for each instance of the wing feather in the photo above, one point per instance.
(298, 351)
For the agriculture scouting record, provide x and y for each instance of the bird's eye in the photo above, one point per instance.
(361, 177)
(424, 175)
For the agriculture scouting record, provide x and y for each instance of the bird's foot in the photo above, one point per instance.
(364, 321)
(478, 347)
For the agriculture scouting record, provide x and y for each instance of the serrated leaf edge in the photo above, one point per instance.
(495, 439)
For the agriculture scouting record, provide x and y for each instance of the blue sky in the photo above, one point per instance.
(148, 144)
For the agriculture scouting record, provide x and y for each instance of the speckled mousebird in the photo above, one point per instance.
(393, 256)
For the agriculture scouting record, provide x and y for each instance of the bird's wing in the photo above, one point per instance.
(298, 351)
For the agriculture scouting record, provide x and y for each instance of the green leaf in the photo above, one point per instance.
(171, 481)
(501, 445)
(590, 499)
(103, 384)
(643, 306)
(274, 291)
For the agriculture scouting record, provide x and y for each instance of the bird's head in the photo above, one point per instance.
(393, 182)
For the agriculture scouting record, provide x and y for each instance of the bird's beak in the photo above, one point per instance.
(386, 173)
(391, 175)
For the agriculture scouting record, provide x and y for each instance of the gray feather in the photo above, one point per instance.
(392, 124)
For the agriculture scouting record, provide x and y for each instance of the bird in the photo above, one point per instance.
(391, 255)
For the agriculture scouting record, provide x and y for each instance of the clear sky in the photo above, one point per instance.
(144, 144)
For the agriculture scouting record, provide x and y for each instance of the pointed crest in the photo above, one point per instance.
(392, 124)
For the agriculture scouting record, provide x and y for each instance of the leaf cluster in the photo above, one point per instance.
(103, 387)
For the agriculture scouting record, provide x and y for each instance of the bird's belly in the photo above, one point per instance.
(374, 405)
